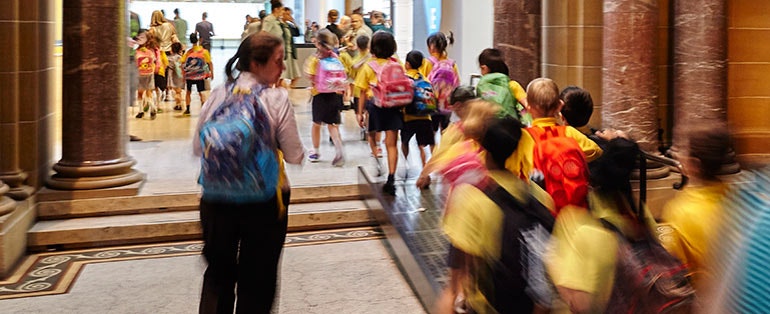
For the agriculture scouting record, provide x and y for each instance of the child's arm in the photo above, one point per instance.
(591, 150)
(363, 79)
(207, 56)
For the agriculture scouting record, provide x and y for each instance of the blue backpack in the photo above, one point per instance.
(425, 102)
(240, 161)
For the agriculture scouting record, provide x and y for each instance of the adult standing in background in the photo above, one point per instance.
(290, 30)
(205, 30)
(378, 22)
(164, 31)
(255, 26)
(332, 18)
(181, 27)
(311, 30)
(358, 27)
(272, 22)
(344, 26)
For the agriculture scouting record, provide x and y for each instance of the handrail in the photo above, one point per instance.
(643, 157)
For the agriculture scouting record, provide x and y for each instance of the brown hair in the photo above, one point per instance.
(479, 113)
(257, 47)
(709, 144)
(543, 94)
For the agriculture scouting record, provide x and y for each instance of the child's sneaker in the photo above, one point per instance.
(338, 161)
(160, 110)
(153, 114)
(314, 157)
(178, 108)
(186, 112)
(389, 188)
(140, 115)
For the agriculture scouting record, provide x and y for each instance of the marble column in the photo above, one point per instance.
(517, 35)
(95, 91)
(700, 69)
(629, 80)
(10, 171)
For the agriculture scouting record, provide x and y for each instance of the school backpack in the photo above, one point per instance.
(647, 278)
(330, 77)
(562, 164)
(195, 66)
(424, 102)
(239, 163)
(393, 88)
(526, 230)
(444, 79)
(145, 61)
(495, 87)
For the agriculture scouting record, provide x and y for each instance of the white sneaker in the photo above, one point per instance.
(314, 157)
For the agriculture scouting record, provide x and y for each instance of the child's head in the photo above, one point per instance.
(491, 61)
(500, 140)
(543, 98)
(176, 48)
(383, 45)
(326, 41)
(362, 42)
(459, 96)
(578, 106)
(477, 116)
(437, 42)
(145, 38)
(413, 60)
(707, 148)
(193, 39)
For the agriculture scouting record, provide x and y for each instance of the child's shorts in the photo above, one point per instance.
(326, 108)
(384, 119)
(440, 120)
(422, 128)
(199, 84)
(160, 82)
(146, 82)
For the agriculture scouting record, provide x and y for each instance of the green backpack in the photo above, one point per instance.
(495, 87)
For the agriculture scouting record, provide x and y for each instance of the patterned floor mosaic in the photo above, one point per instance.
(55, 272)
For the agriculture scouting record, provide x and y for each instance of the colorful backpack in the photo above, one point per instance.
(562, 164)
(145, 61)
(424, 102)
(444, 80)
(495, 87)
(239, 163)
(394, 88)
(195, 66)
(331, 77)
(648, 279)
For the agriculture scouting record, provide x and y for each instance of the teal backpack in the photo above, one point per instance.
(240, 156)
(494, 87)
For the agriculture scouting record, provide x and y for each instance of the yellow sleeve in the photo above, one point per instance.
(591, 150)
(184, 56)
(583, 254)
(206, 56)
(311, 66)
(365, 78)
(164, 63)
(443, 151)
(347, 62)
(518, 92)
(520, 162)
(473, 222)
(425, 67)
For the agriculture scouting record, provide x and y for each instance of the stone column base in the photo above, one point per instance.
(13, 235)
(94, 176)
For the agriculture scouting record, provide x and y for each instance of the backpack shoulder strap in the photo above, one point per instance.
(375, 66)
(533, 208)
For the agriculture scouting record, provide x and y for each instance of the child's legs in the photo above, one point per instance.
(177, 95)
(202, 96)
(315, 135)
(334, 132)
(391, 139)
(372, 144)
(423, 157)
(187, 98)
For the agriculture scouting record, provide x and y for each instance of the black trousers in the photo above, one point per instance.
(242, 244)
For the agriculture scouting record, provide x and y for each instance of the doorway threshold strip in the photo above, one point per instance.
(54, 272)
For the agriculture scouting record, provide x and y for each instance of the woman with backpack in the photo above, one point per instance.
(329, 80)
(384, 107)
(243, 205)
(443, 75)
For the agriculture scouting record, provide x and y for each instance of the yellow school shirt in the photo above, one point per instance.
(360, 59)
(414, 74)
(520, 162)
(517, 91)
(311, 68)
(445, 150)
(427, 66)
(366, 77)
(473, 224)
(694, 214)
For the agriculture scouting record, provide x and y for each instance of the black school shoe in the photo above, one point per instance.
(389, 188)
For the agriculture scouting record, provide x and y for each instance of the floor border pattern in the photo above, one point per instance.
(55, 272)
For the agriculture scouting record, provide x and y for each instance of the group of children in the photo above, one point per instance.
(161, 72)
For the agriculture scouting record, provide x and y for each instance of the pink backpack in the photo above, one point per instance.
(145, 61)
(394, 88)
(444, 80)
(330, 77)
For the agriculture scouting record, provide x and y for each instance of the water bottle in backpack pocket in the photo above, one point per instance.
(330, 76)
(424, 102)
(240, 160)
(444, 80)
(393, 88)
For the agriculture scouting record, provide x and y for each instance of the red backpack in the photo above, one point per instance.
(563, 165)
(394, 88)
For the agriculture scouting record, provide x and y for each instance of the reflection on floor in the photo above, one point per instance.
(166, 278)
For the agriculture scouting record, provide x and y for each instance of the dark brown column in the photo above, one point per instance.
(700, 69)
(95, 91)
(10, 171)
(517, 35)
(629, 81)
